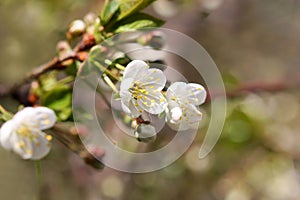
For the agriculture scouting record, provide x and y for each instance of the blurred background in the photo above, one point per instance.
(257, 157)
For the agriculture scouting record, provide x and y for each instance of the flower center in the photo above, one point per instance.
(25, 131)
(137, 90)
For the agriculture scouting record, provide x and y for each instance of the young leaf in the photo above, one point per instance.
(138, 21)
(110, 8)
(57, 98)
(96, 54)
(129, 7)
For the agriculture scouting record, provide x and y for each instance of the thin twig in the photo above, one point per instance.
(255, 87)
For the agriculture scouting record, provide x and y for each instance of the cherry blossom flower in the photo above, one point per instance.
(140, 89)
(183, 99)
(23, 133)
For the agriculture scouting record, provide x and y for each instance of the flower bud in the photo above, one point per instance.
(76, 28)
(90, 18)
(155, 39)
(145, 133)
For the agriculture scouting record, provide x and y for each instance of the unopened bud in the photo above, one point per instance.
(80, 130)
(155, 39)
(90, 19)
(76, 28)
(145, 133)
(64, 50)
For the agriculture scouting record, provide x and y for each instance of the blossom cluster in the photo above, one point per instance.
(142, 89)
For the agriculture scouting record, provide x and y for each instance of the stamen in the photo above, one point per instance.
(28, 151)
(22, 144)
(47, 122)
(49, 137)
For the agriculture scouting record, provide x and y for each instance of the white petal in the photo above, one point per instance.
(124, 93)
(134, 69)
(126, 97)
(24, 115)
(154, 80)
(42, 148)
(125, 108)
(22, 146)
(6, 132)
(177, 89)
(31, 148)
(131, 109)
(199, 93)
(154, 103)
(193, 114)
(135, 109)
(45, 116)
(191, 93)
(189, 120)
(125, 85)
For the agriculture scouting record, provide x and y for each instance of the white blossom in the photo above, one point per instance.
(183, 99)
(140, 89)
(23, 133)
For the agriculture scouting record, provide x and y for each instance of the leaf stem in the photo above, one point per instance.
(110, 83)
(105, 71)
(38, 172)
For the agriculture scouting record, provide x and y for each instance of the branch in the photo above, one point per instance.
(20, 91)
(255, 87)
(86, 43)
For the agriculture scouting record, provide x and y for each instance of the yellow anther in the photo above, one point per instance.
(22, 144)
(49, 137)
(24, 131)
(162, 99)
(29, 152)
(145, 92)
(151, 86)
(47, 122)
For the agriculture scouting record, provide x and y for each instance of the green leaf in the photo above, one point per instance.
(59, 99)
(129, 7)
(88, 66)
(110, 8)
(138, 21)
(5, 115)
(65, 114)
